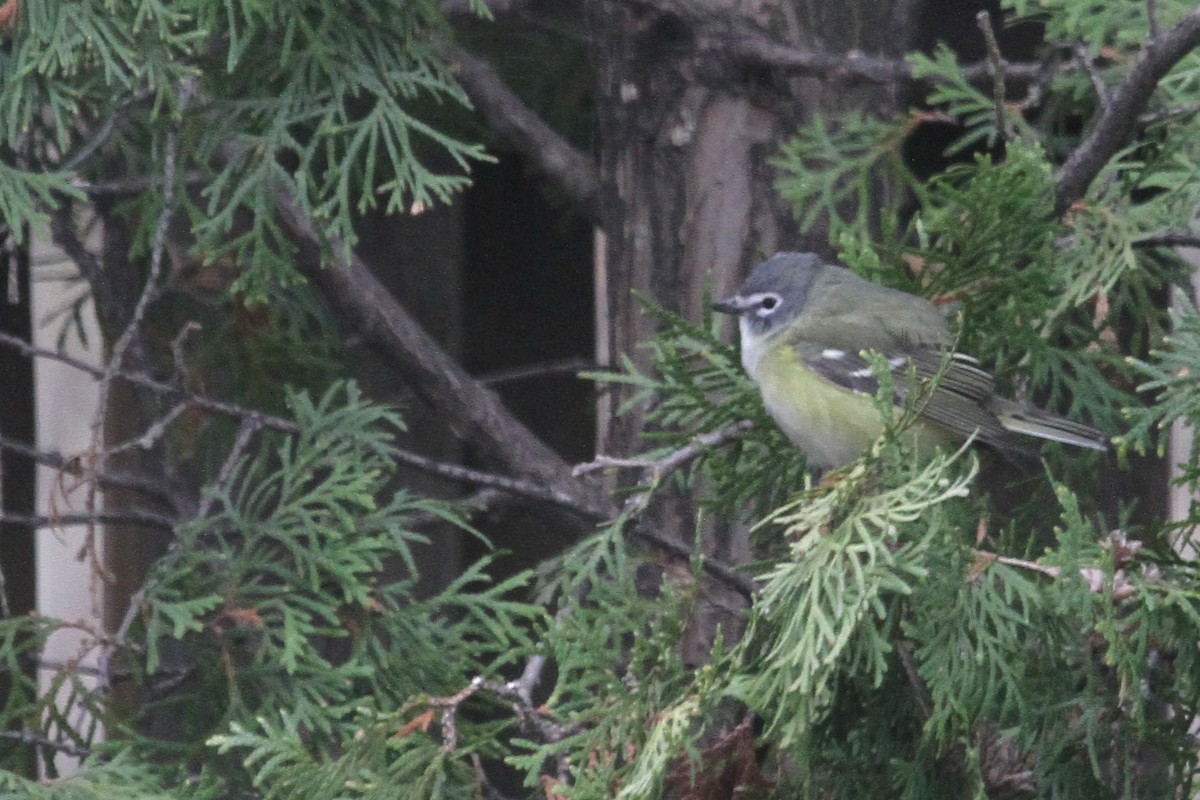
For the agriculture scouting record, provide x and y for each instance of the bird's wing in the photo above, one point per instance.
(948, 389)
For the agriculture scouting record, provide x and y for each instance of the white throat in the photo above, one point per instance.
(753, 347)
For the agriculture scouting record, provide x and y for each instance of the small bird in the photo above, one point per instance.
(804, 326)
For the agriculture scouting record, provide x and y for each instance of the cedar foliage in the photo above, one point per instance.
(909, 638)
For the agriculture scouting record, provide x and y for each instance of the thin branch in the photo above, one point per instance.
(655, 469)
(520, 128)
(153, 434)
(27, 736)
(550, 730)
(1119, 121)
(1169, 238)
(562, 366)
(102, 134)
(73, 466)
(1163, 115)
(101, 517)
(124, 187)
(996, 66)
(5, 609)
(62, 233)
(528, 489)
(531, 676)
(985, 558)
(919, 687)
(249, 426)
(733, 37)
(1084, 59)
(133, 327)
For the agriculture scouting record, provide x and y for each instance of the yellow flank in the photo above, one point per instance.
(820, 417)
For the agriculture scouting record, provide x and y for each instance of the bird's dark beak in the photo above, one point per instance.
(730, 305)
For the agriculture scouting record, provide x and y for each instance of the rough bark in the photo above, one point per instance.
(688, 195)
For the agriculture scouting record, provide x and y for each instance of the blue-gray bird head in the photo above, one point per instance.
(773, 294)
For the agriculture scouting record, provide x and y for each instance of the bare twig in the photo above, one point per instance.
(920, 689)
(449, 706)
(1169, 238)
(1152, 18)
(103, 133)
(727, 36)
(5, 609)
(563, 366)
(1118, 122)
(996, 67)
(249, 426)
(1085, 61)
(523, 130)
(27, 736)
(655, 469)
(528, 489)
(536, 719)
(102, 517)
(1020, 563)
(1164, 114)
(122, 187)
(72, 466)
(531, 676)
(153, 434)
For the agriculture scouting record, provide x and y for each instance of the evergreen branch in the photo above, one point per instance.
(1119, 120)
(547, 494)
(523, 130)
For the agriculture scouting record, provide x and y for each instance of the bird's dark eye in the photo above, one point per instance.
(768, 303)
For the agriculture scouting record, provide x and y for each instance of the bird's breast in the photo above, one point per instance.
(832, 425)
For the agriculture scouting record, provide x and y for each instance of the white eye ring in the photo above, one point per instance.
(767, 304)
